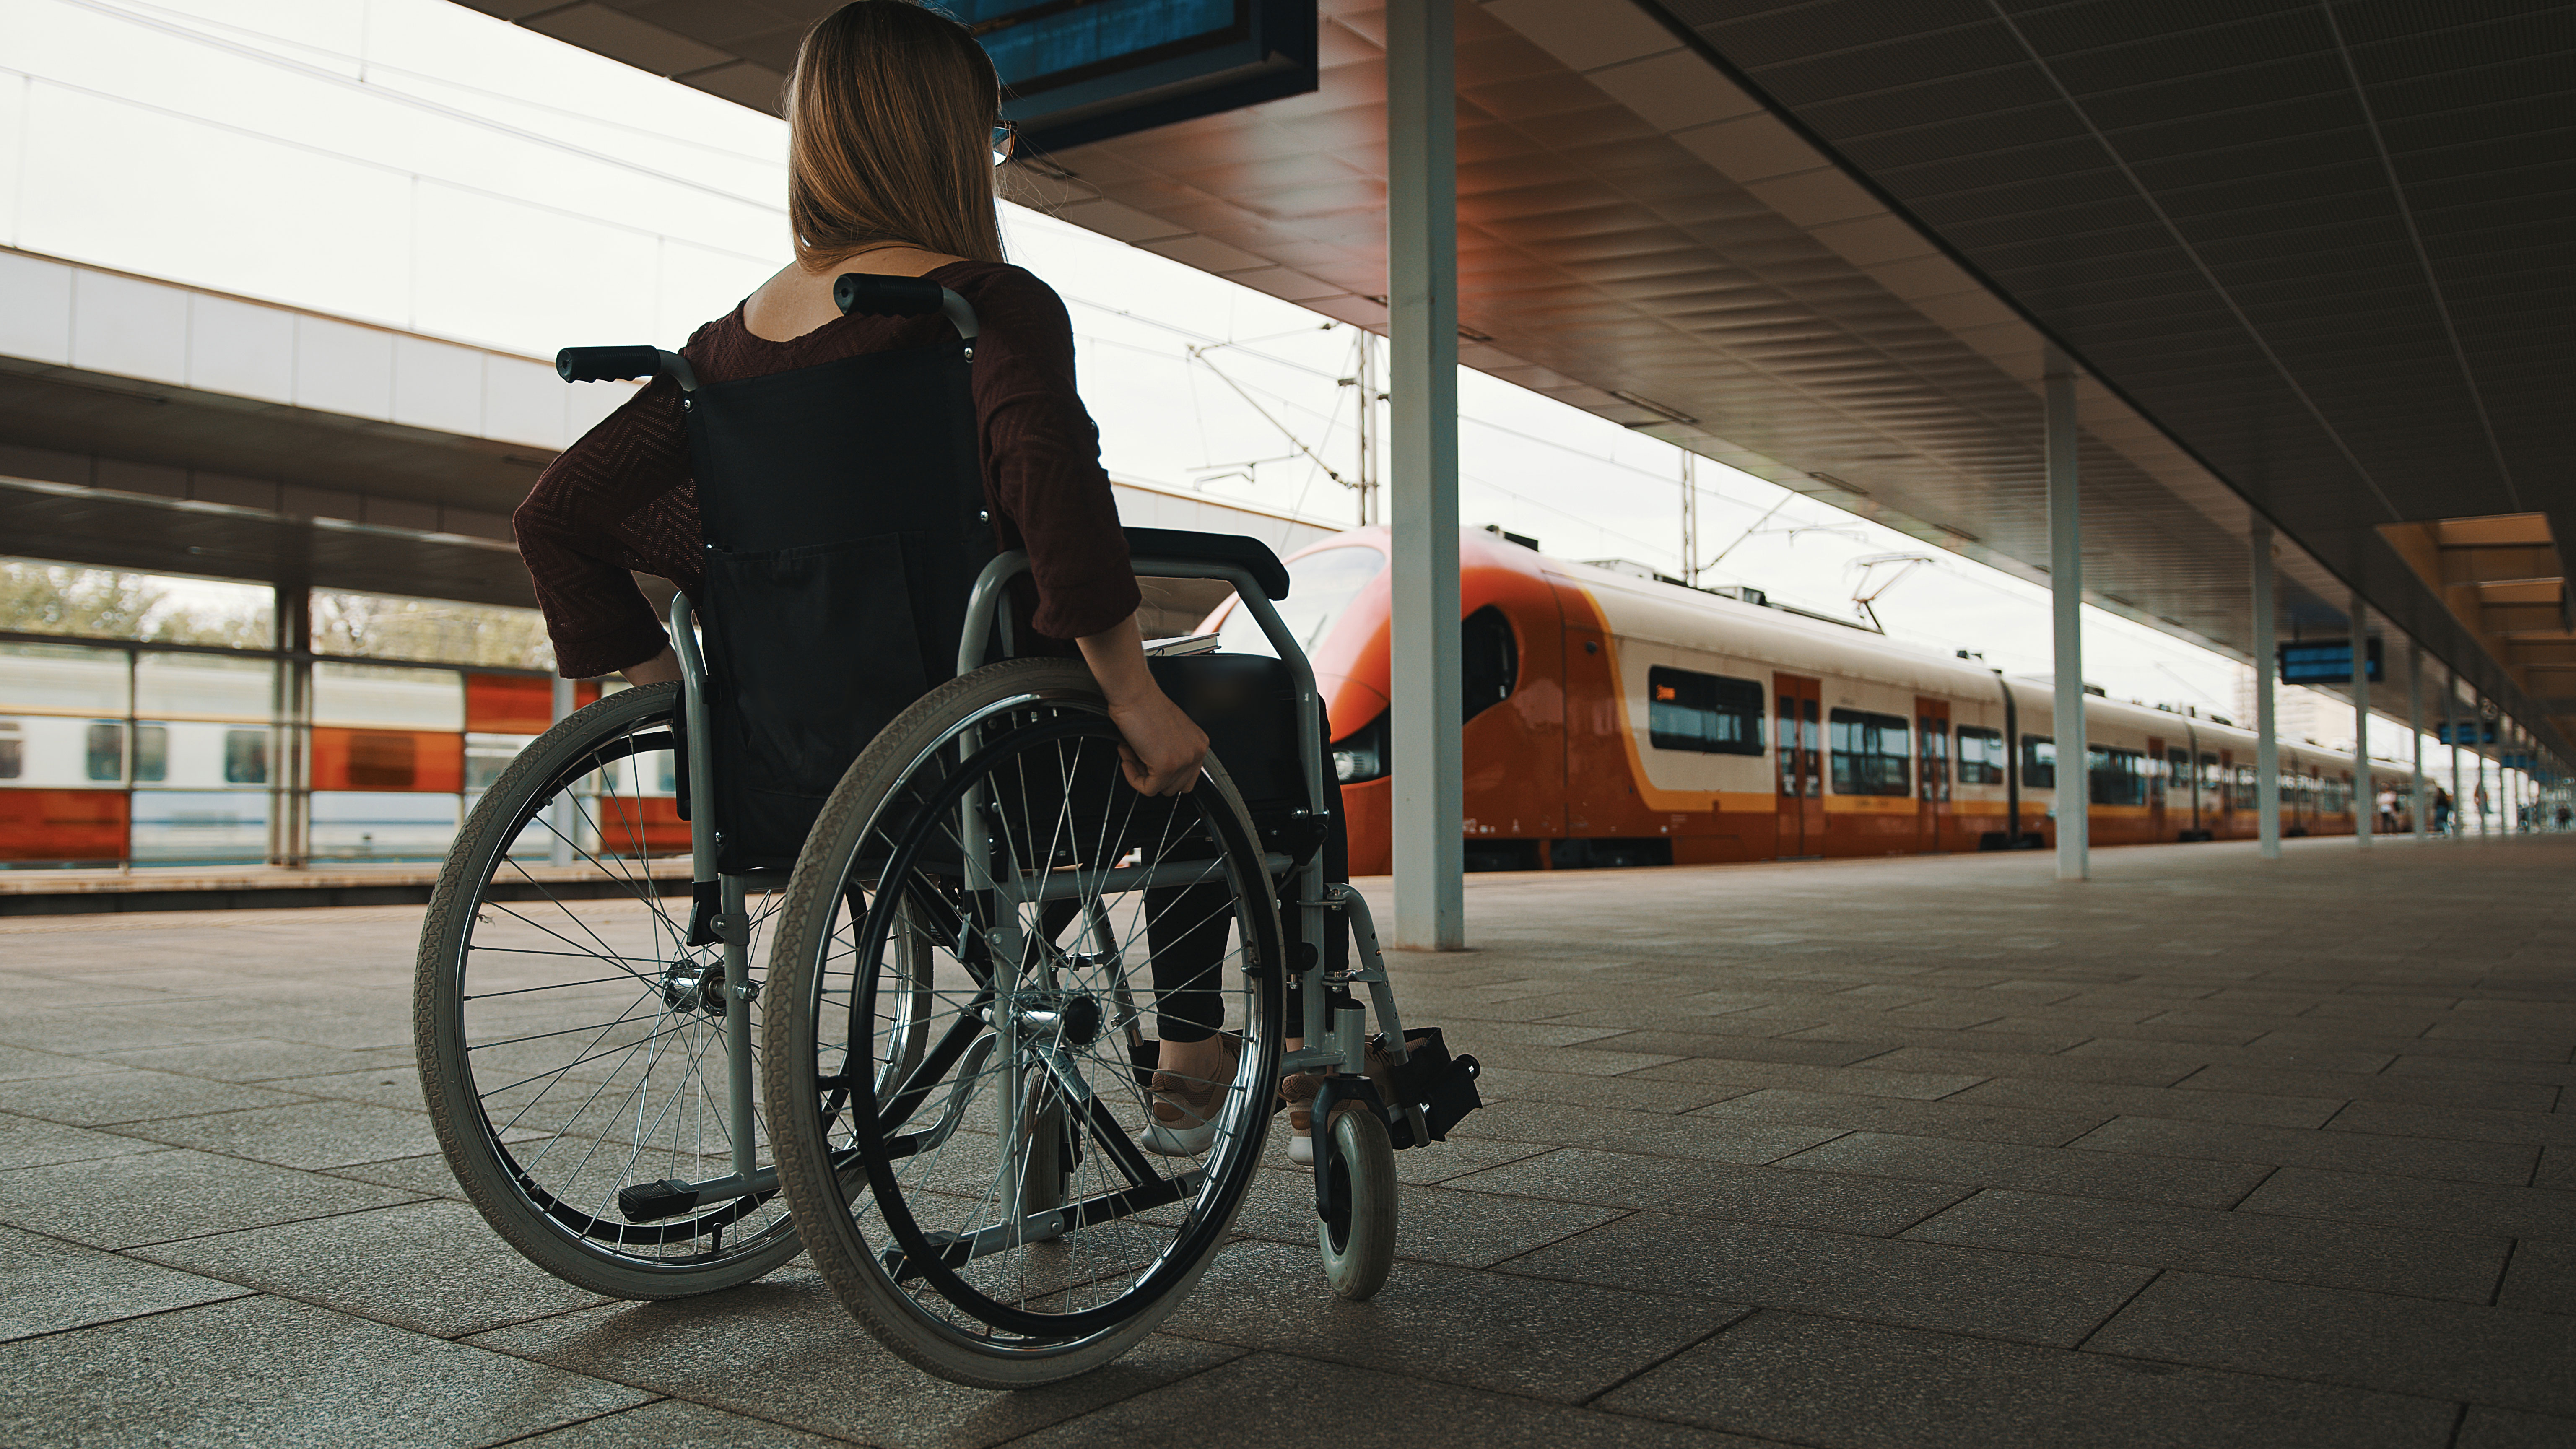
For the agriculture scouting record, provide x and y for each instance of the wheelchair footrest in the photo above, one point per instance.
(1441, 1086)
(650, 1202)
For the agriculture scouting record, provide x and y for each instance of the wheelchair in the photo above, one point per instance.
(937, 1082)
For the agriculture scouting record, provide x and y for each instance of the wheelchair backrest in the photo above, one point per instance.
(843, 511)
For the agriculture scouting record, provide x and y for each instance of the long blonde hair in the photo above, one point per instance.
(889, 115)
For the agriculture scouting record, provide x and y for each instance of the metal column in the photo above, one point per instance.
(1422, 308)
(2451, 718)
(2267, 744)
(2365, 805)
(2066, 607)
(290, 794)
(2419, 816)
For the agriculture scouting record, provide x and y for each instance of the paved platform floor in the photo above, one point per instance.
(1907, 1152)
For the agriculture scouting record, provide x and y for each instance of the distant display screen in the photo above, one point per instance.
(1050, 43)
(2324, 661)
(1076, 71)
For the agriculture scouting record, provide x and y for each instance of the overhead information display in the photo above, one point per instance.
(1085, 70)
(2324, 661)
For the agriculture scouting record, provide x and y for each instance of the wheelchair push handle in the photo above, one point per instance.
(872, 294)
(641, 361)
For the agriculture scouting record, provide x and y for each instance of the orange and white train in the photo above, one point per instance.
(1613, 718)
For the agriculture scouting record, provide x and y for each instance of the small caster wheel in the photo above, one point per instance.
(1357, 1235)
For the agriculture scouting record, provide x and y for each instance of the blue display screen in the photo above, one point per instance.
(2323, 661)
(1053, 42)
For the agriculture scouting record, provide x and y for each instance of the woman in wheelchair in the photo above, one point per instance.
(930, 873)
(892, 149)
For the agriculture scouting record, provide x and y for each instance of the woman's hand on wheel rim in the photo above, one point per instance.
(1162, 748)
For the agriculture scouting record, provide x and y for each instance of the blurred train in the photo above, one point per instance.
(1616, 718)
(167, 756)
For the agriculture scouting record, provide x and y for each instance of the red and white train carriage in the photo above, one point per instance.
(1619, 719)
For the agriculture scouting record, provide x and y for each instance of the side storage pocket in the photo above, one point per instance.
(812, 651)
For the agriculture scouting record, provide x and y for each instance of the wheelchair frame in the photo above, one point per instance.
(1338, 1044)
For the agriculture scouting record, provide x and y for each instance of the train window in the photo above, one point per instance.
(151, 753)
(1869, 753)
(1709, 713)
(2038, 762)
(1321, 584)
(245, 757)
(106, 751)
(2245, 797)
(1981, 756)
(2212, 776)
(2119, 777)
(13, 751)
(1490, 661)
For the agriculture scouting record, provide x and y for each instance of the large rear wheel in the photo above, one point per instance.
(963, 956)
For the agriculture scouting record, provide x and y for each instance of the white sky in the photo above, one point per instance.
(415, 163)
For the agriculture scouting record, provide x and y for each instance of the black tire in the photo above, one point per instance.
(565, 1051)
(1359, 1251)
(907, 1197)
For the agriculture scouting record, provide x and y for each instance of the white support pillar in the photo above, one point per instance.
(1422, 307)
(2267, 744)
(2066, 608)
(2451, 719)
(2365, 805)
(2420, 815)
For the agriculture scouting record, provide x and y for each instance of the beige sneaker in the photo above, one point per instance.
(1185, 1110)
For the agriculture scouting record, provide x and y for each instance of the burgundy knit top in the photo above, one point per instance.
(621, 499)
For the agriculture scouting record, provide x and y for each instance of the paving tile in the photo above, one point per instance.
(1903, 1029)
(2541, 1278)
(257, 1060)
(1924, 1285)
(2477, 1071)
(2111, 1100)
(2462, 1124)
(2455, 1266)
(27, 1142)
(1589, 1061)
(2557, 1169)
(2314, 1052)
(2452, 1351)
(1657, 1134)
(153, 1197)
(106, 1098)
(783, 1350)
(674, 1424)
(303, 1134)
(2416, 1202)
(1969, 1067)
(2068, 1172)
(427, 1175)
(1270, 1399)
(47, 1286)
(23, 1064)
(1958, 1117)
(2487, 1428)
(265, 1371)
(1628, 1094)
(2288, 1147)
(1433, 1224)
(2379, 1087)
(1713, 1047)
(435, 1267)
(1843, 1204)
(1558, 1341)
(1869, 1080)
(1866, 1385)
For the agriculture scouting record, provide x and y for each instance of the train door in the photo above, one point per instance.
(1932, 783)
(1797, 734)
(2227, 802)
(2155, 765)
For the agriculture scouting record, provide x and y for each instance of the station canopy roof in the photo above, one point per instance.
(2311, 260)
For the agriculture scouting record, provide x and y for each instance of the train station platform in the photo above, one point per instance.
(2209, 1150)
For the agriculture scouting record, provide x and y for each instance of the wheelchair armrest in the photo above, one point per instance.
(1225, 549)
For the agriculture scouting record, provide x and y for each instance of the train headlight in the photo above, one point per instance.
(1361, 755)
